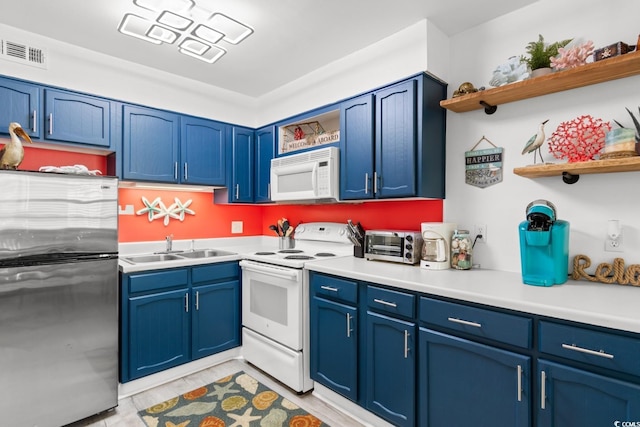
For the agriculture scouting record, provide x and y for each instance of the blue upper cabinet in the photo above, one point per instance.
(356, 156)
(20, 102)
(395, 174)
(392, 142)
(265, 151)
(150, 145)
(202, 151)
(80, 119)
(242, 164)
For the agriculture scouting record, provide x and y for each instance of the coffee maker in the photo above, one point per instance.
(436, 245)
(544, 245)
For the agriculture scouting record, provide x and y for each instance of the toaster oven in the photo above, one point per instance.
(394, 246)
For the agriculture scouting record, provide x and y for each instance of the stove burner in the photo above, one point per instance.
(324, 254)
(302, 257)
(290, 251)
(265, 253)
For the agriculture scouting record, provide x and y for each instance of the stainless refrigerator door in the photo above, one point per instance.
(46, 213)
(58, 342)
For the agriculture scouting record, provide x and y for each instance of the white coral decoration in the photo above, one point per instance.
(512, 71)
(572, 55)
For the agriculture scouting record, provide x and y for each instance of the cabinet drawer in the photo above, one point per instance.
(389, 301)
(502, 327)
(214, 272)
(344, 290)
(158, 280)
(607, 350)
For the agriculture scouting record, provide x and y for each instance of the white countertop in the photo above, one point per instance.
(608, 305)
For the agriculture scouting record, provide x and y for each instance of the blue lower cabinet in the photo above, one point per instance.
(391, 372)
(158, 332)
(464, 383)
(173, 316)
(573, 397)
(334, 346)
(216, 318)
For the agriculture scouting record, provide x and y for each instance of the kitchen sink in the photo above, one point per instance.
(152, 258)
(205, 253)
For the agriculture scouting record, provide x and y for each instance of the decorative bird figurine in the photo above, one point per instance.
(12, 153)
(535, 142)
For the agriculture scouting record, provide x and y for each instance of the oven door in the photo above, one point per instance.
(272, 302)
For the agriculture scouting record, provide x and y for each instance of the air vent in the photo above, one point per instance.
(23, 53)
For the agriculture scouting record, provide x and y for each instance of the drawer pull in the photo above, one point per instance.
(600, 353)
(543, 389)
(329, 288)
(383, 302)
(519, 383)
(464, 322)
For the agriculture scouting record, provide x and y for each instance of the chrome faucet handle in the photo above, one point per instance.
(169, 240)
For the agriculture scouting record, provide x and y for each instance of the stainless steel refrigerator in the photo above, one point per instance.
(58, 297)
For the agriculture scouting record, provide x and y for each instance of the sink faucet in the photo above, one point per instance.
(169, 240)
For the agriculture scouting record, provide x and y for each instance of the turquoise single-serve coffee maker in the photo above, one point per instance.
(544, 245)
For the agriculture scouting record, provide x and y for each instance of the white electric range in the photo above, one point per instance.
(275, 301)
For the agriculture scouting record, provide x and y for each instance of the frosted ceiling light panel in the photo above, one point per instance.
(136, 26)
(234, 31)
(163, 34)
(174, 21)
(210, 56)
(177, 6)
(207, 34)
(194, 46)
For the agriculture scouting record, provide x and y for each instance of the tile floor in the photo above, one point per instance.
(126, 414)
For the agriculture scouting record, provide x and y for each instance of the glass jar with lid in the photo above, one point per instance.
(461, 250)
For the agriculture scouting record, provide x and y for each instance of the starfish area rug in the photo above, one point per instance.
(238, 400)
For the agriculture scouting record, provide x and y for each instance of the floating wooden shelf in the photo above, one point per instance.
(618, 67)
(625, 164)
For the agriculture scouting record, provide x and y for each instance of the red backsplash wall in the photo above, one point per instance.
(212, 220)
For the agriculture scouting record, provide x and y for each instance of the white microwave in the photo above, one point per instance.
(309, 176)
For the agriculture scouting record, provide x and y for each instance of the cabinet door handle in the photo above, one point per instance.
(600, 353)
(464, 322)
(383, 302)
(519, 383)
(186, 171)
(186, 302)
(197, 300)
(329, 288)
(269, 191)
(375, 183)
(406, 344)
(366, 183)
(348, 326)
(50, 123)
(237, 191)
(35, 121)
(543, 389)
(175, 171)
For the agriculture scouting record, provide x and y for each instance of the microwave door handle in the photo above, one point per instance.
(314, 179)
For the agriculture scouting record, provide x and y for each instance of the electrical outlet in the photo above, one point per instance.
(236, 227)
(480, 230)
(613, 245)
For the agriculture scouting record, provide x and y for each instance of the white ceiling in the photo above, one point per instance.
(291, 37)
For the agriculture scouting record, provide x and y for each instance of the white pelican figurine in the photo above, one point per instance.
(535, 142)
(12, 153)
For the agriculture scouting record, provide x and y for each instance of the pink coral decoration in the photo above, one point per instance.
(578, 140)
(572, 56)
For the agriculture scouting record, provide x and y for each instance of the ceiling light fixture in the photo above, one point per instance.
(194, 28)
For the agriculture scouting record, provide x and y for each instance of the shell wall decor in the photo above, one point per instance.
(156, 209)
